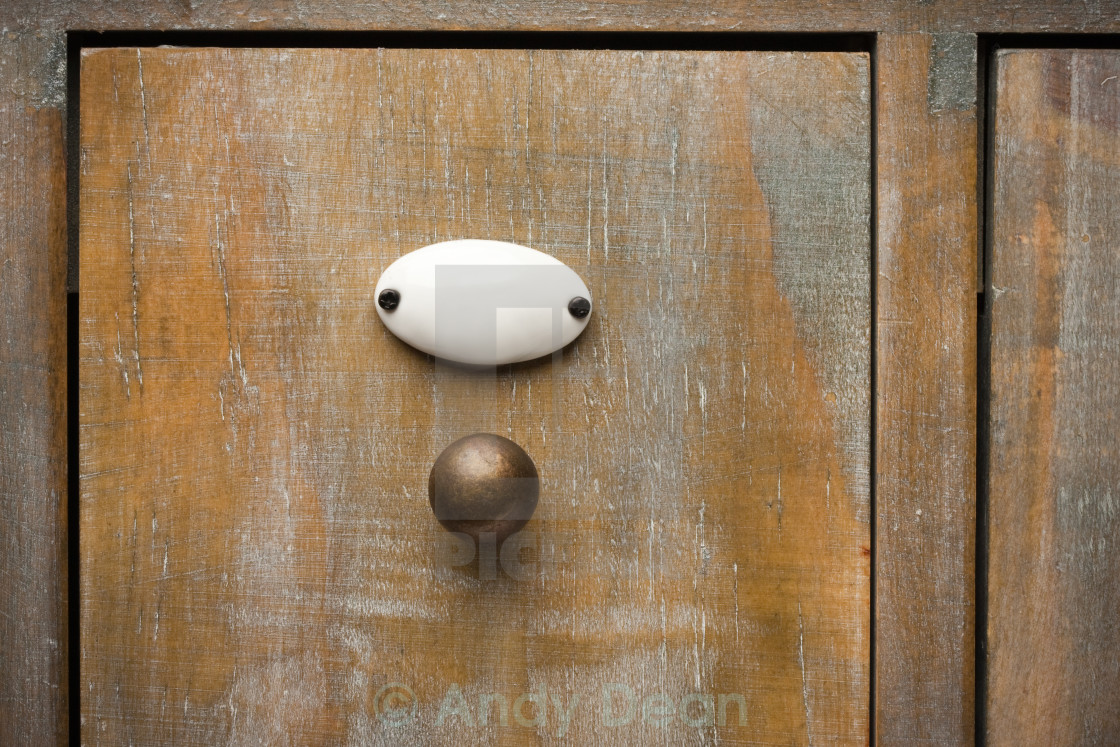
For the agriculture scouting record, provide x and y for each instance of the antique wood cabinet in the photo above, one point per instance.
(834, 461)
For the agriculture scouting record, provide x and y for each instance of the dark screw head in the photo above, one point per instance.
(579, 307)
(389, 299)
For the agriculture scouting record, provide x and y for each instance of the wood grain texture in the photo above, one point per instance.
(32, 402)
(1054, 578)
(259, 559)
(896, 16)
(926, 378)
(32, 85)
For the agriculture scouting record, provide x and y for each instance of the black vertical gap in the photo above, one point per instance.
(73, 108)
(986, 70)
(874, 393)
(73, 484)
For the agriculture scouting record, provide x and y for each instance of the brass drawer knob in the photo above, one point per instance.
(483, 483)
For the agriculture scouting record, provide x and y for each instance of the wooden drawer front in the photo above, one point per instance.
(1054, 580)
(259, 560)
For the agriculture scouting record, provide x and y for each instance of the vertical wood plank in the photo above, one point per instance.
(926, 379)
(1054, 561)
(33, 697)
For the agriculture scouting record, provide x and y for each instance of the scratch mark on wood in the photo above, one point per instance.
(735, 593)
(828, 491)
(120, 359)
(606, 202)
(804, 681)
(135, 281)
(219, 254)
(144, 110)
(589, 191)
(528, 154)
(704, 226)
(698, 673)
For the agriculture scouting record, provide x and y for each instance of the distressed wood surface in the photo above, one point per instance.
(32, 399)
(32, 85)
(258, 557)
(926, 376)
(1097, 16)
(1054, 563)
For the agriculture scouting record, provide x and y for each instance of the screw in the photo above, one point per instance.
(579, 307)
(389, 299)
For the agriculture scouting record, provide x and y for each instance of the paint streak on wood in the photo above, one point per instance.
(926, 363)
(33, 630)
(1054, 562)
(259, 559)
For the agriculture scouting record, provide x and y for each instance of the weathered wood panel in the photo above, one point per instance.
(896, 16)
(1054, 578)
(259, 560)
(33, 74)
(926, 389)
(32, 400)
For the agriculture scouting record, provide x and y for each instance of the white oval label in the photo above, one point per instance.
(482, 302)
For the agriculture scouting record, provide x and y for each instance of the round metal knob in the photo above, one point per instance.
(483, 483)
